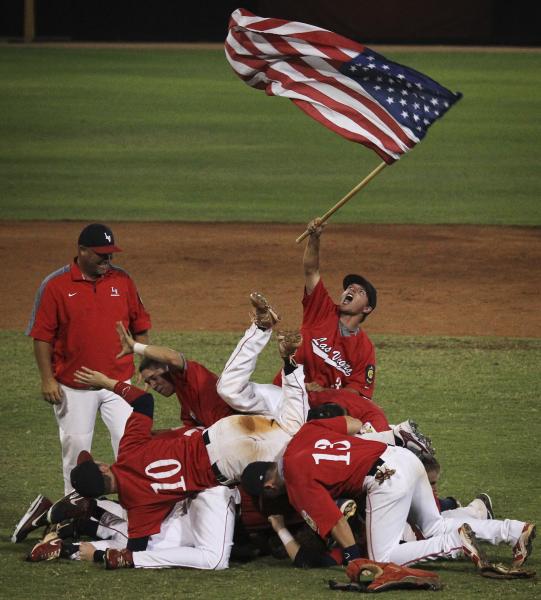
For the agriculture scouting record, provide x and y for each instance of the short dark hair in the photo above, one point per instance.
(149, 363)
(430, 462)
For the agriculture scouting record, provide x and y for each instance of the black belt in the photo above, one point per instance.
(375, 466)
(221, 478)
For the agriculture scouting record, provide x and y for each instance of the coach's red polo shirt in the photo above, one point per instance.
(78, 318)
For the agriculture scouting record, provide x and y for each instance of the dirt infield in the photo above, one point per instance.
(439, 280)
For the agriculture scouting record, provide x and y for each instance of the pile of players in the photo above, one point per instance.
(309, 457)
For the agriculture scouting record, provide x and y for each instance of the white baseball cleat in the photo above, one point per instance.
(413, 439)
(471, 548)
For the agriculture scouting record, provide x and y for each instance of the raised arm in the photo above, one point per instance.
(310, 260)
(160, 354)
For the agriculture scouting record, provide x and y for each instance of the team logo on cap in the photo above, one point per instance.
(107, 236)
(370, 372)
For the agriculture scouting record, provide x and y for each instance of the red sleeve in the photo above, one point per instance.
(137, 431)
(44, 321)
(314, 503)
(317, 305)
(139, 317)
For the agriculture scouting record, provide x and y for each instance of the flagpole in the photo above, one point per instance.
(347, 197)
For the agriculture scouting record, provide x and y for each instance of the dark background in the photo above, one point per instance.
(497, 22)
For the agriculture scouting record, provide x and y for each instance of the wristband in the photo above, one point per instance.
(139, 348)
(285, 536)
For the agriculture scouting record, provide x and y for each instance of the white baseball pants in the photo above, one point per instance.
(76, 416)
(406, 493)
(288, 404)
(197, 533)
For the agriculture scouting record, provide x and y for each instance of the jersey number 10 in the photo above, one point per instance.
(176, 467)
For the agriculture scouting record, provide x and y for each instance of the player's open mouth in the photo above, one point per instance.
(347, 299)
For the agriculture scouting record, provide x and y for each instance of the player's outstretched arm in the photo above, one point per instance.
(95, 379)
(162, 354)
(310, 259)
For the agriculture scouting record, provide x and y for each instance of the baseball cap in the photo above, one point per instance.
(371, 292)
(86, 478)
(98, 237)
(326, 411)
(253, 477)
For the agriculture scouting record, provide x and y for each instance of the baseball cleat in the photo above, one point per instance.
(34, 518)
(288, 342)
(49, 548)
(413, 439)
(264, 316)
(523, 548)
(471, 548)
(118, 559)
(72, 506)
(485, 499)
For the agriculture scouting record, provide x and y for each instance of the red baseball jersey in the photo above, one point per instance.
(154, 473)
(328, 357)
(195, 388)
(78, 317)
(323, 462)
(361, 408)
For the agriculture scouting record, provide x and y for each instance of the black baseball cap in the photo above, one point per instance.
(86, 478)
(326, 411)
(98, 237)
(371, 292)
(253, 477)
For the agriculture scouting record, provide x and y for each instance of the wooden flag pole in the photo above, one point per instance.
(347, 197)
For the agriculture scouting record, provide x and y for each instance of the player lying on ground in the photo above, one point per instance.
(324, 461)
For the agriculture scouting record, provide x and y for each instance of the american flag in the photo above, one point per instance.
(347, 87)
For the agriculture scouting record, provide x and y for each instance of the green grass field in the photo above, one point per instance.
(175, 135)
(478, 398)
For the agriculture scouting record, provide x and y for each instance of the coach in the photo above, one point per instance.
(73, 324)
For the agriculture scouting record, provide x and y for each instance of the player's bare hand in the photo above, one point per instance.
(93, 379)
(315, 227)
(126, 340)
(313, 386)
(86, 551)
(52, 392)
(277, 522)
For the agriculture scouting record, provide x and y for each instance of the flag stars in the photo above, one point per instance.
(404, 114)
(434, 101)
(426, 108)
(416, 106)
(353, 68)
(418, 85)
(405, 93)
(379, 79)
(416, 118)
(403, 102)
(377, 88)
(371, 58)
(446, 104)
(400, 76)
(385, 67)
(371, 66)
(426, 121)
(390, 89)
(390, 100)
